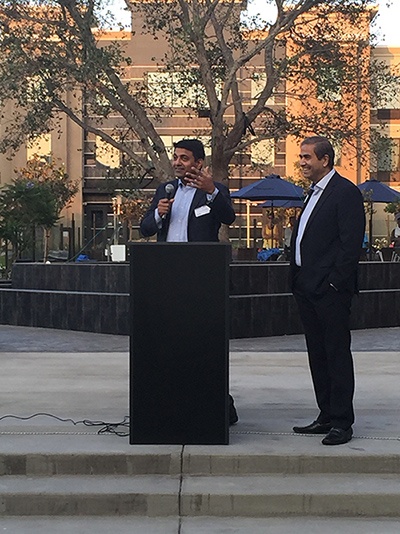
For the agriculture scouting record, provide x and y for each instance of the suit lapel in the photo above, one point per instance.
(198, 200)
(324, 197)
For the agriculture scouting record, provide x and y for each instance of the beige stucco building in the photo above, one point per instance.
(91, 214)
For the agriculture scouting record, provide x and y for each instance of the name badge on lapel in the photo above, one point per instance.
(202, 210)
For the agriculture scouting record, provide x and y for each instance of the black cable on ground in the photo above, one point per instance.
(106, 428)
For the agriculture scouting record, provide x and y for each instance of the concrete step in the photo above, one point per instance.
(279, 475)
(198, 525)
(284, 495)
(84, 463)
(322, 461)
(92, 525)
(174, 460)
(281, 525)
(152, 496)
(344, 495)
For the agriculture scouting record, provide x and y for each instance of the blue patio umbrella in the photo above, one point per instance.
(375, 191)
(272, 188)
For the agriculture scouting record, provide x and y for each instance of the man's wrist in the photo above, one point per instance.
(211, 196)
(157, 218)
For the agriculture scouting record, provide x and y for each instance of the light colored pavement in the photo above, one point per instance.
(83, 378)
(197, 525)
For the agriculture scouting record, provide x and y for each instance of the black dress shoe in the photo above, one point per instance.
(337, 436)
(314, 428)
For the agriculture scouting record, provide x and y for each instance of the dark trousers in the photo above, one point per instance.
(326, 325)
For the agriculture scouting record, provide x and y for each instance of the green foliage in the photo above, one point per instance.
(51, 62)
(33, 199)
(384, 86)
(24, 205)
(51, 177)
(393, 207)
(134, 205)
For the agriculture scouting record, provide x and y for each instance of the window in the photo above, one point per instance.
(388, 158)
(328, 80)
(36, 90)
(389, 99)
(169, 141)
(106, 154)
(258, 81)
(386, 99)
(97, 104)
(263, 152)
(337, 147)
(167, 89)
(385, 86)
(40, 146)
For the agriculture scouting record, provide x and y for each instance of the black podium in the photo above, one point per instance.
(179, 343)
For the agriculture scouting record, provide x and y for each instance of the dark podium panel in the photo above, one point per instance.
(179, 343)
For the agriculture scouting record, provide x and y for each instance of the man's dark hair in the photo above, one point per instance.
(322, 147)
(195, 146)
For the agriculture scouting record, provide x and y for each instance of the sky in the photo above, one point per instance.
(386, 25)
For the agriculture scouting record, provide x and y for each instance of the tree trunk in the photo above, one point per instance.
(223, 234)
(220, 173)
(220, 167)
(130, 229)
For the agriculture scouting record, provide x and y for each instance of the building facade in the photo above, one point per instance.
(90, 221)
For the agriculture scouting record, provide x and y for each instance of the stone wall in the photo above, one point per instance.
(94, 297)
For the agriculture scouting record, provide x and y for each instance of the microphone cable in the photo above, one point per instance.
(106, 428)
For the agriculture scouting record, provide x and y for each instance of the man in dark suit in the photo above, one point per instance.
(193, 211)
(325, 250)
(197, 206)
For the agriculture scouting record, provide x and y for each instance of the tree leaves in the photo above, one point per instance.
(315, 58)
(34, 198)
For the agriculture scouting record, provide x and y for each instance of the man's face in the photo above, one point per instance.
(312, 168)
(183, 161)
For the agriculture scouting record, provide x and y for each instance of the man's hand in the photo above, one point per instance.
(201, 179)
(164, 205)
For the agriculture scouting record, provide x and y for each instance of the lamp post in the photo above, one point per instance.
(116, 203)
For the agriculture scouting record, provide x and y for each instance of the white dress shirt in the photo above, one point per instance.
(178, 224)
(311, 202)
(177, 231)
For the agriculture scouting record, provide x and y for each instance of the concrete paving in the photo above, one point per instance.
(83, 376)
(197, 525)
(75, 379)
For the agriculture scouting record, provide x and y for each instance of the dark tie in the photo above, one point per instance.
(309, 193)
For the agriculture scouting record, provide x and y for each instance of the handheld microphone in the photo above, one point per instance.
(169, 193)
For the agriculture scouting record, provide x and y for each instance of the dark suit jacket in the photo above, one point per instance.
(204, 228)
(332, 240)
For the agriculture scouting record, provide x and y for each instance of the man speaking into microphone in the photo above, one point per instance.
(190, 208)
(196, 206)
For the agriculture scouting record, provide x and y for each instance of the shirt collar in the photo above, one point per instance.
(182, 185)
(324, 181)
